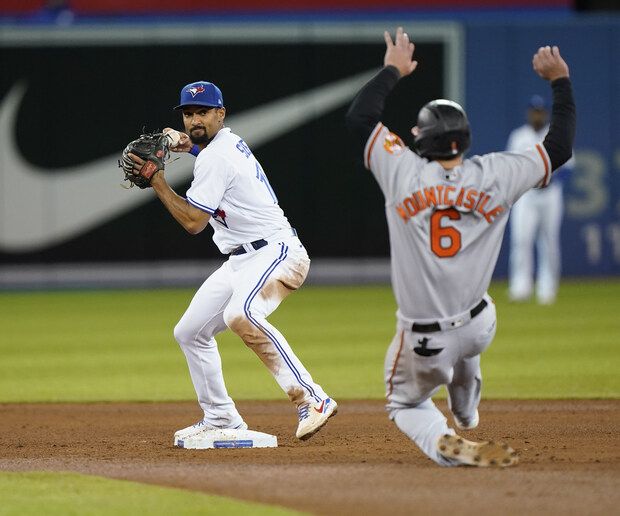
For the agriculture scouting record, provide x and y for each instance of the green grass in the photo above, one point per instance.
(65, 494)
(118, 345)
(568, 350)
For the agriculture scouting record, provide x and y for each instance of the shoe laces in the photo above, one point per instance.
(303, 411)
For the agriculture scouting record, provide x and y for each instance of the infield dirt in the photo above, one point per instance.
(358, 464)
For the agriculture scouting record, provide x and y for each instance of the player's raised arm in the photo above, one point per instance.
(548, 63)
(367, 108)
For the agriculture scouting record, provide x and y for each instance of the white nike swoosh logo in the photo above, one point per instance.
(40, 209)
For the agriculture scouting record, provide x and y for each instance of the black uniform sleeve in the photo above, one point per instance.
(367, 107)
(561, 135)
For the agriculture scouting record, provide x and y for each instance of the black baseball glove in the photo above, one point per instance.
(153, 149)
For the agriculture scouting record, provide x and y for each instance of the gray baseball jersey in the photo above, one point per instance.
(446, 226)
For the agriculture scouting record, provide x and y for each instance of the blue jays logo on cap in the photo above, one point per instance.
(195, 90)
(201, 93)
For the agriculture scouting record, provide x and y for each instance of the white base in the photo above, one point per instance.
(228, 438)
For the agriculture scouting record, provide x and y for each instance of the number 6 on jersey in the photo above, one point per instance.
(445, 240)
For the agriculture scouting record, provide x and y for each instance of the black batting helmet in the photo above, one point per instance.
(442, 131)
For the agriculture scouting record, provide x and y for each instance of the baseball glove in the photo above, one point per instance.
(153, 149)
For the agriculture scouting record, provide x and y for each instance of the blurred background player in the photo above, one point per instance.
(446, 218)
(536, 218)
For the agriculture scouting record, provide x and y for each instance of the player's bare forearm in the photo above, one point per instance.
(191, 218)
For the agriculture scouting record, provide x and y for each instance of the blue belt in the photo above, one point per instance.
(257, 244)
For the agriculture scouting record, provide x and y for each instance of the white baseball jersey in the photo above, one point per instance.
(446, 226)
(230, 184)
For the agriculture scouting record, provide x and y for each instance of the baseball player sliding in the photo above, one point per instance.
(446, 217)
(266, 261)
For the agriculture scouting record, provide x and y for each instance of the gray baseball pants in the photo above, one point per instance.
(418, 364)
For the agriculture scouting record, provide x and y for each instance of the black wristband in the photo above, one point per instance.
(560, 81)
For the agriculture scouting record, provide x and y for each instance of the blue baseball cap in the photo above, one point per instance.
(537, 102)
(201, 93)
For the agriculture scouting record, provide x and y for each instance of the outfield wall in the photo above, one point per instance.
(68, 106)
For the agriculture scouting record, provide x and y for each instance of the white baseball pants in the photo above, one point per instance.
(412, 379)
(240, 295)
(536, 218)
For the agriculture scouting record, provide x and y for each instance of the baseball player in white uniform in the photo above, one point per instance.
(536, 218)
(267, 261)
(446, 217)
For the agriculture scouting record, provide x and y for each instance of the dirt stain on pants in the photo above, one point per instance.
(273, 292)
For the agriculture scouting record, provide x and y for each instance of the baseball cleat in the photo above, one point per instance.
(199, 428)
(469, 453)
(312, 417)
(473, 423)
